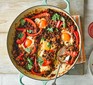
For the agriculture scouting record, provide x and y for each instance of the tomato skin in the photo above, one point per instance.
(46, 62)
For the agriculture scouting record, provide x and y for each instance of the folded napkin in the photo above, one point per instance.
(82, 57)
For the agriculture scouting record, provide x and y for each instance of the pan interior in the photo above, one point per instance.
(11, 35)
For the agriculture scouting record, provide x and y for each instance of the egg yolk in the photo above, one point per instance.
(27, 43)
(66, 37)
(42, 23)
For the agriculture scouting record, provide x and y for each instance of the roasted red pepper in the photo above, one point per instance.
(72, 28)
(46, 62)
(20, 29)
(31, 22)
(20, 57)
(36, 64)
(20, 41)
(59, 23)
(72, 53)
(41, 15)
(33, 51)
(35, 34)
(71, 61)
(77, 38)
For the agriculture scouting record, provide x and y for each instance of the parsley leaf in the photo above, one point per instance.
(28, 50)
(64, 24)
(30, 64)
(20, 35)
(49, 44)
(40, 60)
(22, 22)
(56, 17)
(29, 31)
(50, 29)
(29, 61)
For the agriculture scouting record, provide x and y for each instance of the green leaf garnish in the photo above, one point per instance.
(29, 61)
(22, 22)
(28, 50)
(50, 29)
(40, 60)
(29, 31)
(64, 24)
(56, 17)
(20, 35)
(49, 44)
(30, 64)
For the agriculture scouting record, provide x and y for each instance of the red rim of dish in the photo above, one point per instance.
(90, 30)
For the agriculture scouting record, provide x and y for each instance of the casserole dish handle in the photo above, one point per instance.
(67, 9)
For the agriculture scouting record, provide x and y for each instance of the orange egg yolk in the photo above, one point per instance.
(42, 23)
(27, 43)
(66, 37)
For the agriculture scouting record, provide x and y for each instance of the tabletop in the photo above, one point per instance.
(8, 14)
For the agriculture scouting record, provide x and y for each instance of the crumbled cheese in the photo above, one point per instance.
(67, 58)
(44, 68)
(37, 20)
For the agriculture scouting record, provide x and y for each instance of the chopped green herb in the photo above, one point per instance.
(40, 60)
(49, 44)
(29, 61)
(28, 50)
(56, 17)
(20, 35)
(29, 66)
(56, 29)
(29, 31)
(50, 29)
(22, 22)
(64, 24)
